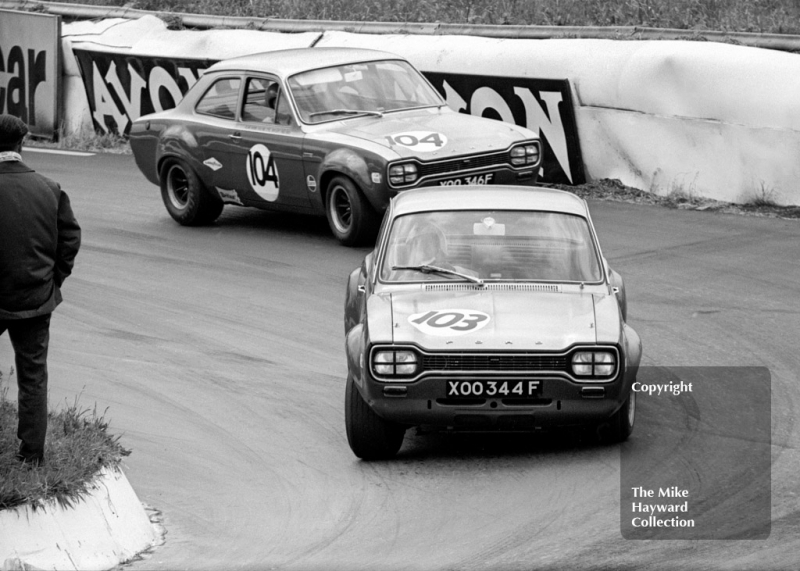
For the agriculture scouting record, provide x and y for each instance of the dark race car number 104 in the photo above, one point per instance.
(334, 132)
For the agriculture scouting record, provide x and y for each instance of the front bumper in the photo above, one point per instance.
(560, 403)
(499, 176)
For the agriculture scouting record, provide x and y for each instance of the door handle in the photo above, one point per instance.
(235, 137)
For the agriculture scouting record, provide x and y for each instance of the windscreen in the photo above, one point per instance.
(380, 86)
(491, 245)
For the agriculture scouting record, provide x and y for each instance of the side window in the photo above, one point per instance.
(260, 100)
(221, 98)
(283, 112)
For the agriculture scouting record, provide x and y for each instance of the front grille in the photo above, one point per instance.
(463, 164)
(501, 363)
(497, 365)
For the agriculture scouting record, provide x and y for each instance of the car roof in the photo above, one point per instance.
(495, 197)
(289, 62)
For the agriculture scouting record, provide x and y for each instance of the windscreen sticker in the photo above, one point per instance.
(449, 322)
(262, 172)
(229, 196)
(213, 164)
(421, 141)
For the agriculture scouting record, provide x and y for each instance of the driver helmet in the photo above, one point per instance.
(426, 243)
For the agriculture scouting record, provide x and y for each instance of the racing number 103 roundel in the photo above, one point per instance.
(262, 172)
(448, 322)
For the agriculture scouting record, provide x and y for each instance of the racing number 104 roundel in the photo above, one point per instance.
(263, 173)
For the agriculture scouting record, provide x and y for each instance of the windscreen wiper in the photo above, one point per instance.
(346, 112)
(428, 269)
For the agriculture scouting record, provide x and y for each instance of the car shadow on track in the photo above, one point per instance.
(422, 443)
(277, 222)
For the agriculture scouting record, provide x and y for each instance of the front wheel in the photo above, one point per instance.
(621, 422)
(370, 437)
(350, 216)
(186, 199)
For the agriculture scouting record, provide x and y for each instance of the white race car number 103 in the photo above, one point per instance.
(449, 322)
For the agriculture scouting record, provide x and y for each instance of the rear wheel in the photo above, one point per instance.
(350, 215)
(370, 437)
(187, 200)
(621, 422)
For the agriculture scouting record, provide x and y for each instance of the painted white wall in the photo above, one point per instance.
(714, 120)
(149, 36)
(106, 527)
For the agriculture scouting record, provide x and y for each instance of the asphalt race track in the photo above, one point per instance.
(217, 354)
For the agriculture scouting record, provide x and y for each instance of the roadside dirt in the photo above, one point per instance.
(614, 190)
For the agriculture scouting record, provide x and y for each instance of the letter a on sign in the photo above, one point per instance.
(262, 173)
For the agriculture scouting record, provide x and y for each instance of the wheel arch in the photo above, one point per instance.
(356, 167)
(177, 142)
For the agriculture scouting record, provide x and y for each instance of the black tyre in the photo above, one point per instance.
(350, 216)
(186, 198)
(621, 422)
(370, 437)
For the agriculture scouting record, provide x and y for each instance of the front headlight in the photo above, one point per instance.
(402, 174)
(594, 363)
(604, 364)
(525, 155)
(518, 156)
(532, 154)
(582, 363)
(389, 363)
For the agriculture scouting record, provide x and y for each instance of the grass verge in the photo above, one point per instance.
(91, 142)
(773, 16)
(78, 446)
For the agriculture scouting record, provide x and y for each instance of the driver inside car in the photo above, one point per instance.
(427, 245)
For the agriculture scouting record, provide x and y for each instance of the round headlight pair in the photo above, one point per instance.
(389, 363)
(593, 363)
(525, 155)
(405, 173)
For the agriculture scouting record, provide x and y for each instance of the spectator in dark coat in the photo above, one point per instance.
(39, 239)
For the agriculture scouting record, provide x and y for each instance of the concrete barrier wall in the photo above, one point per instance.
(715, 120)
(708, 119)
(106, 527)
